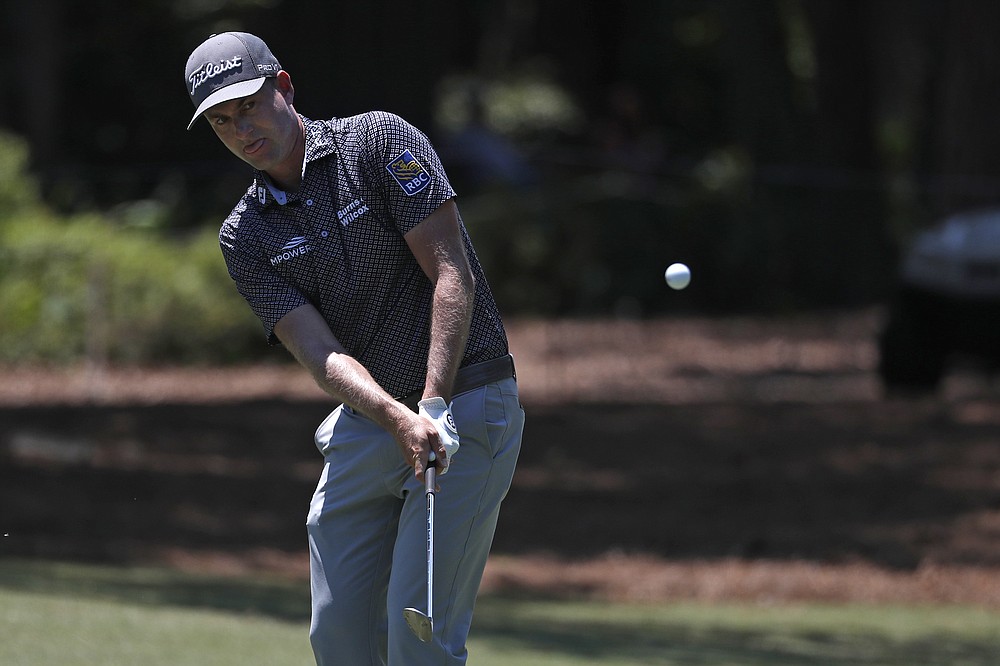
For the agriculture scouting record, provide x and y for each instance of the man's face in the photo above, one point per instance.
(262, 129)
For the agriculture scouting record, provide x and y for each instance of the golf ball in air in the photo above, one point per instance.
(678, 276)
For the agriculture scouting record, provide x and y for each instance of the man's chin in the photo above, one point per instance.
(257, 161)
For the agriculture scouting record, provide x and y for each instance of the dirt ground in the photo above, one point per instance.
(748, 459)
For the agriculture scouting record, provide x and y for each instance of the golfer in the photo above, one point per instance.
(349, 247)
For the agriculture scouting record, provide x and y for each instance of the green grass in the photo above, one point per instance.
(71, 614)
(52, 630)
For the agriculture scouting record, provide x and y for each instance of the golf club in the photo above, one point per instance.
(420, 624)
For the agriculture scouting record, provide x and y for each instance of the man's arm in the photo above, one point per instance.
(439, 249)
(307, 336)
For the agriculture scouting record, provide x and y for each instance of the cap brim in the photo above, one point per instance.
(233, 91)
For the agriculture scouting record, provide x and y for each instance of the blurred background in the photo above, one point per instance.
(785, 149)
(788, 151)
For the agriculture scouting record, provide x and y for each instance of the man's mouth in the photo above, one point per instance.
(254, 147)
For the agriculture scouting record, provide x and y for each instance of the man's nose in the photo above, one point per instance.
(243, 126)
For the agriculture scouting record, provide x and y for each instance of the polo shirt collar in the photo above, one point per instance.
(319, 144)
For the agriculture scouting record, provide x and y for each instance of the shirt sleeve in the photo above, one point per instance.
(404, 165)
(269, 295)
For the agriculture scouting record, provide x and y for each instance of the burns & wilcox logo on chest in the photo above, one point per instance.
(352, 211)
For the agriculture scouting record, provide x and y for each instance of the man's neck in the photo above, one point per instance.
(288, 175)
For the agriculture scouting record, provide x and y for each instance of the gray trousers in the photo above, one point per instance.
(367, 533)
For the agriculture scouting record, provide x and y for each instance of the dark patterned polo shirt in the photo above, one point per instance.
(337, 243)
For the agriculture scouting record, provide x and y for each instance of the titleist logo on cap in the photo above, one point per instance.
(210, 70)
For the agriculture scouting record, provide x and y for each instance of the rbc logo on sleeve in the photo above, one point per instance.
(408, 173)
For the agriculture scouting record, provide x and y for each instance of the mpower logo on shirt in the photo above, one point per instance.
(295, 247)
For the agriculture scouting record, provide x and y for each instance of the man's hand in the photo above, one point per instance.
(437, 412)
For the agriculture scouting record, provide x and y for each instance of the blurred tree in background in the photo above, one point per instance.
(785, 149)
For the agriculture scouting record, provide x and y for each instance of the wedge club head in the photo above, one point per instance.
(421, 625)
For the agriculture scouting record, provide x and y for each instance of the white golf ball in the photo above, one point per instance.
(678, 276)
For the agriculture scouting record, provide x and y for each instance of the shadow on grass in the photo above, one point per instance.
(519, 626)
(280, 599)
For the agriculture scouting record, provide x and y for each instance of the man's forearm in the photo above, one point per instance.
(347, 380)
(451, 315)
(344, 378)
(308, 337)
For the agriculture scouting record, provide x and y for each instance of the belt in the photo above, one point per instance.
(471, 377)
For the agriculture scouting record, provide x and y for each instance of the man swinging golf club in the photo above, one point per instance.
(349, 247)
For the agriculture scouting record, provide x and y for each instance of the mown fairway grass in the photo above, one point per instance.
(72, 614)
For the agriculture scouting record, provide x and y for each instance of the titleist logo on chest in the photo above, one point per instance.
(210, 70)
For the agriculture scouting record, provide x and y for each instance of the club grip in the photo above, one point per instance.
(429, 477)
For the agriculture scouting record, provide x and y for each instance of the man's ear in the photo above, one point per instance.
(283, 83)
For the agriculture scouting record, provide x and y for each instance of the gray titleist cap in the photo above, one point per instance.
(227, 66)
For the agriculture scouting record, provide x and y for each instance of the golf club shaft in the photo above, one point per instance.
(429, 481)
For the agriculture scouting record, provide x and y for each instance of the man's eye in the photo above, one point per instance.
(220, 121)
(248, 106)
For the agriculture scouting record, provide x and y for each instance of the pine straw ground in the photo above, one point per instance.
(751, 459)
